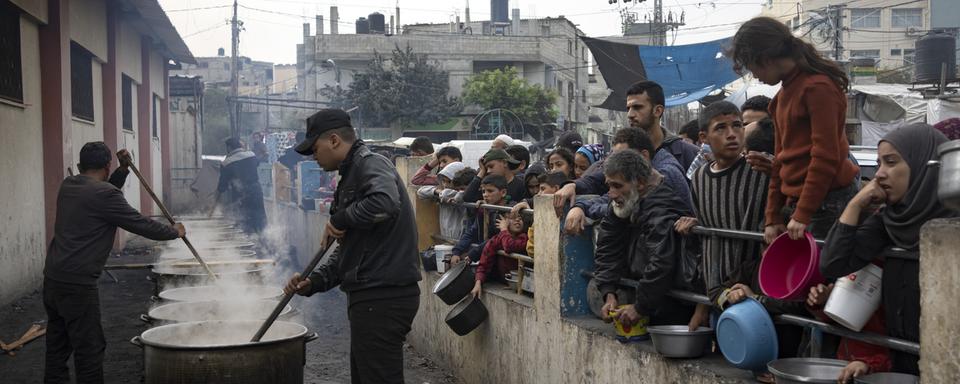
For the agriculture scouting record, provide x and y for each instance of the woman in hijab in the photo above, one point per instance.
(907, 190)
(585, 157)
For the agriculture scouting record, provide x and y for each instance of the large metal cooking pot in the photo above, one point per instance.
(216, 234)
(222, 292)
(211, 245)
(207, 255)
(455, 283)
(467, 315)
(948, 189)
(167, 277)
(806, 370)
(220, 352)
(185, 311)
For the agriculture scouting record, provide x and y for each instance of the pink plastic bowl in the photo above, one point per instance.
(790, 267)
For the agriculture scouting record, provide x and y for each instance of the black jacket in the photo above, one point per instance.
(377, 258)
(645, 248)
(88, 214)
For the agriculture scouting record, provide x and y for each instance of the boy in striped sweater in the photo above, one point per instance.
(727, 194)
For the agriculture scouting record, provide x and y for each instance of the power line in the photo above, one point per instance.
(197, 9)
(208, 29)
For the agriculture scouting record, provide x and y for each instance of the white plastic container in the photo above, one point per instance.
(442, 252)
(855, 297)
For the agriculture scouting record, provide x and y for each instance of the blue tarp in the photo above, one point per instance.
(688, 72)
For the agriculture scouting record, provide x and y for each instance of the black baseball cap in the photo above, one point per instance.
(499, 154)
(319, 123)
(570, 140)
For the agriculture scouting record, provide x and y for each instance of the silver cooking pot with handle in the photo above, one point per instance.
(186, 311)
(948, 188)
(221, 352)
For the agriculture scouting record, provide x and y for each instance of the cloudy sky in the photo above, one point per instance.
(272, 28)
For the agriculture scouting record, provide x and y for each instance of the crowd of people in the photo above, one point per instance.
(778, 166)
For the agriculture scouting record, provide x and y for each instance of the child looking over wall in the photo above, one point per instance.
(494, 192)
(512, 238)
(549, 184)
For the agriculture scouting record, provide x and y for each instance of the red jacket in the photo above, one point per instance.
(503, 241)
(424, 177)
(875, 356)
(809, 113)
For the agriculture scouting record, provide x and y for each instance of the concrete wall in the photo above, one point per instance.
(22, 226)
(88, 25)
(939, 284)
(36, 9)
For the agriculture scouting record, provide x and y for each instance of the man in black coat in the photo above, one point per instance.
(241, 185)
(377, 263)
(89, 210)
(637, 241)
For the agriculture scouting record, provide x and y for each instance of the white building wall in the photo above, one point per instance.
(22, 227)
(88, 25)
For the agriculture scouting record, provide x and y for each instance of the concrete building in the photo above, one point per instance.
(256, 77)
(186, 126)
(544, 51)
(284, 79)
(76, 71)
(882, 29)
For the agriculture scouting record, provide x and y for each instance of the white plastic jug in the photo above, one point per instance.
(855, 297)
(442, 253)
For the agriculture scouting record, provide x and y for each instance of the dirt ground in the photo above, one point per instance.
(122, 303)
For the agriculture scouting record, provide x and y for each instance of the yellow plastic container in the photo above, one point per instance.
(634, 333)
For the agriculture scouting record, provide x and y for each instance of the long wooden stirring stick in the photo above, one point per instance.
(287, 296)
(166, 214)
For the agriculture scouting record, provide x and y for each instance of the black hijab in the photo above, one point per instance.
(917, 144)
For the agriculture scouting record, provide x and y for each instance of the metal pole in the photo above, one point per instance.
(234, 70)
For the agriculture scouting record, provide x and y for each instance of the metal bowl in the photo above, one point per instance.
(887, 378)
(806, 370)
(678, 342)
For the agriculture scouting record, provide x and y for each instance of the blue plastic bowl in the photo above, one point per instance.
(746, 336)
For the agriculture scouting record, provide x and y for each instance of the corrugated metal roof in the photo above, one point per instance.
(162, 30)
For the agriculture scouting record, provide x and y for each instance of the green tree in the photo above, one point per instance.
(404, 89)
(216, 121)
(506, 89)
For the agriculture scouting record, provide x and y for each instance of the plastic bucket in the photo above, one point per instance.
(746, 335)
(442, 253)
(790, 267)
(855, 297)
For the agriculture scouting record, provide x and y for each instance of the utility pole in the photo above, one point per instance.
(836, 18)
(233, 106)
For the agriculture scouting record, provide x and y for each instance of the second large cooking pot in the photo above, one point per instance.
(185, 311)
(222, 292)
(455, 284)
(167, 277)
(220, 352)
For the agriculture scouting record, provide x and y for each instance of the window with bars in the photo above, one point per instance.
(153, 112)
(126, 94)
(865, 53)
(81, 82)
(906, 18)
(908, 57)
(865, 17)
(11, 71)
